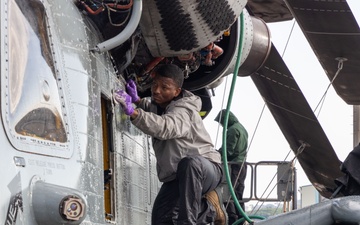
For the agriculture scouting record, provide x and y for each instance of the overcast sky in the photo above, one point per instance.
(268, 143)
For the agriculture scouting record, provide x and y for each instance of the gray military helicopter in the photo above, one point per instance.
(70, 155)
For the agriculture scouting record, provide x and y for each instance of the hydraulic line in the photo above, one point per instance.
(126, 33)
(226, 118)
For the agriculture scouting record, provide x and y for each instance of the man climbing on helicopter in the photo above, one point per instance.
(187, 162)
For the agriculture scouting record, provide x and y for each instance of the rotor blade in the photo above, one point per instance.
(298, 123)
(270, 11)
(333, 33)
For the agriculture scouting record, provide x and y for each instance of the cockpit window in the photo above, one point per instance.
(33, 107)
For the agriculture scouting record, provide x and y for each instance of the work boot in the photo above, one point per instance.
(215, 198)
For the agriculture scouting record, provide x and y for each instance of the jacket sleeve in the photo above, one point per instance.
(144, 104)
(175, 123)
(232, 138)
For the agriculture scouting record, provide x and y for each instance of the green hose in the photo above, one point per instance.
(226, 118)
(241, 220)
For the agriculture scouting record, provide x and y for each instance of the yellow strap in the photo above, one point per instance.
(202, 113)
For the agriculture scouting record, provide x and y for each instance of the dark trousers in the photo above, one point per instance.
(181, 201)
(239, 187)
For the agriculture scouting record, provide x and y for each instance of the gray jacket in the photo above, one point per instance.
(177, 133)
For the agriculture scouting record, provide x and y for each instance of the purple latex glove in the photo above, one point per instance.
(131, 90)
(124, 100)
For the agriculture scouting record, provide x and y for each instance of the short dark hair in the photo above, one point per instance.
(171, 71)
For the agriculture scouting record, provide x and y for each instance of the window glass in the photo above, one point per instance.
(33, 104)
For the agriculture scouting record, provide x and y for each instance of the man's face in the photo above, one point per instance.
(163, 90)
